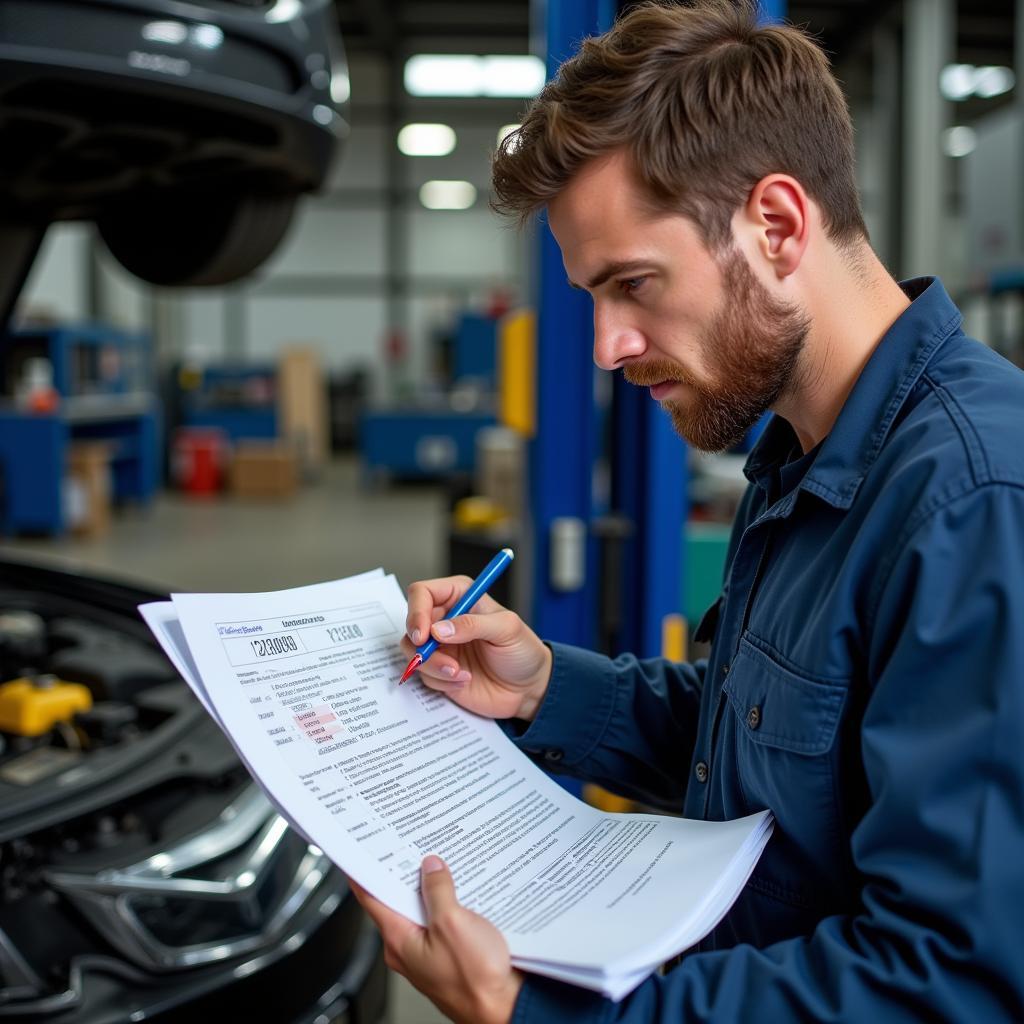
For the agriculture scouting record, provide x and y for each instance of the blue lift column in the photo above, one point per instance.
(649, 493)
(648, 461)
(564, 454)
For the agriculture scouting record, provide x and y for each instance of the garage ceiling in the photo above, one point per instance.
(985, 28)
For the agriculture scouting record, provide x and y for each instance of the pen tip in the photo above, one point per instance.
(417, 660)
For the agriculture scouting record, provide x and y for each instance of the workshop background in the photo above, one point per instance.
(356, 364)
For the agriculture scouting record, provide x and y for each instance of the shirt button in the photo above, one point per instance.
(701, 771)
(754, 717)
(725, 669)
(554, 756)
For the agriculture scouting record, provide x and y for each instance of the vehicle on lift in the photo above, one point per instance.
(186, 131)
(143, 874)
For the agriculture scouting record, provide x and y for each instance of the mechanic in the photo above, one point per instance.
(866, 675)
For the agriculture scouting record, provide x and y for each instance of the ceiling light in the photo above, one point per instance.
(426, 140)
(961, 81)
(447, 195)
(452, 74)
(992, 81)
(959, 140)
(508, 129)
(429, 74)
(513, 76)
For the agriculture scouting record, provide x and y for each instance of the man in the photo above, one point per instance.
(866, 680)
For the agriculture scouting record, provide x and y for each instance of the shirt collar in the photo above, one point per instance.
(863, 423)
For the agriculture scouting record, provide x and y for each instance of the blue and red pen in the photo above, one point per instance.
(494, 568)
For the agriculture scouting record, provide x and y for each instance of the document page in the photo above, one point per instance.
(305, 682)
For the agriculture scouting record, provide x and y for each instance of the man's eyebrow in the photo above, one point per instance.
(611, 270)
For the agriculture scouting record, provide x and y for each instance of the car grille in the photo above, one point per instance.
(225, 892)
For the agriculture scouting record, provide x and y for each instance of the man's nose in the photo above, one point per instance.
(616, 340)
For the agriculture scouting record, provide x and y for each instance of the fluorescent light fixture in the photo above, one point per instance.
(426, 140)
(460, 74)
(959, 140)
(992, 81)
(956, 81)
(442, 74)
(508, 129)
(513, 76)
(959, 82)
(447, 195)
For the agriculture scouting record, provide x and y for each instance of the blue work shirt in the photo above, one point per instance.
(865, 683)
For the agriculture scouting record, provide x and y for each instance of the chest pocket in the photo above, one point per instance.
(782, 734)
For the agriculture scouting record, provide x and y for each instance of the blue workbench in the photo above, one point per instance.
(34, 450)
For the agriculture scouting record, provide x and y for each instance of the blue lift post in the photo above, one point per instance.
(563, 458)
(649, 476)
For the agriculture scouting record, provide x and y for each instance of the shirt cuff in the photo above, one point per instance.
(544, 1001)
(575, 712)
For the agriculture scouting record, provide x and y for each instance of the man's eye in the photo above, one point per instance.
(630, 284)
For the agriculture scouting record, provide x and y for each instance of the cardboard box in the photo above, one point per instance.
(302, 409)
(87, 488)
(264, 469)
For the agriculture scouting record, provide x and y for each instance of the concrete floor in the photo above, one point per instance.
(331, 529)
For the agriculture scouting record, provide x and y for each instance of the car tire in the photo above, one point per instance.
(195, 238)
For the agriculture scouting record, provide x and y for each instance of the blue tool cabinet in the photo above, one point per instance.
(103, 378)
(421, 443)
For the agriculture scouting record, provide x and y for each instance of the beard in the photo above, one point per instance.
(752, 347)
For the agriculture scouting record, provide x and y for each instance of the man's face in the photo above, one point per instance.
(714, 347)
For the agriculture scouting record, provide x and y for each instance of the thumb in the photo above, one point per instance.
(436, 886)
(496, 628)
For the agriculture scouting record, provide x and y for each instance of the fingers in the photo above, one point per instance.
(430, 600)
(499, 628)
(443, 671)
(399, 933)
(437, 888)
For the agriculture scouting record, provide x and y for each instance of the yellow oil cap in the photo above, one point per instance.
(31, 707)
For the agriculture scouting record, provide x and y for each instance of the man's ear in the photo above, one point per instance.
(778, 214)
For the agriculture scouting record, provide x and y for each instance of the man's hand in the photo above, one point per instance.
(490, 661)
(460, 961)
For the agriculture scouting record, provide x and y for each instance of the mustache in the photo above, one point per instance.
(645, 375)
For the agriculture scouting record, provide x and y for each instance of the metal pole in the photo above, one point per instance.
(563, 456)
(929, 28)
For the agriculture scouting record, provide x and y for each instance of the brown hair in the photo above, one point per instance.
(707, 102)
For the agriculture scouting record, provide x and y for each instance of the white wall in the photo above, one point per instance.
(57, 286)
(328, 284)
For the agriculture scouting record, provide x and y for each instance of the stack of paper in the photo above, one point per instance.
(304, 684)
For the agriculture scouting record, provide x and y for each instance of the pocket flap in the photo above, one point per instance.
(778, 708)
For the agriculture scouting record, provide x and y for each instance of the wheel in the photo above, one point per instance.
(191, 238)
